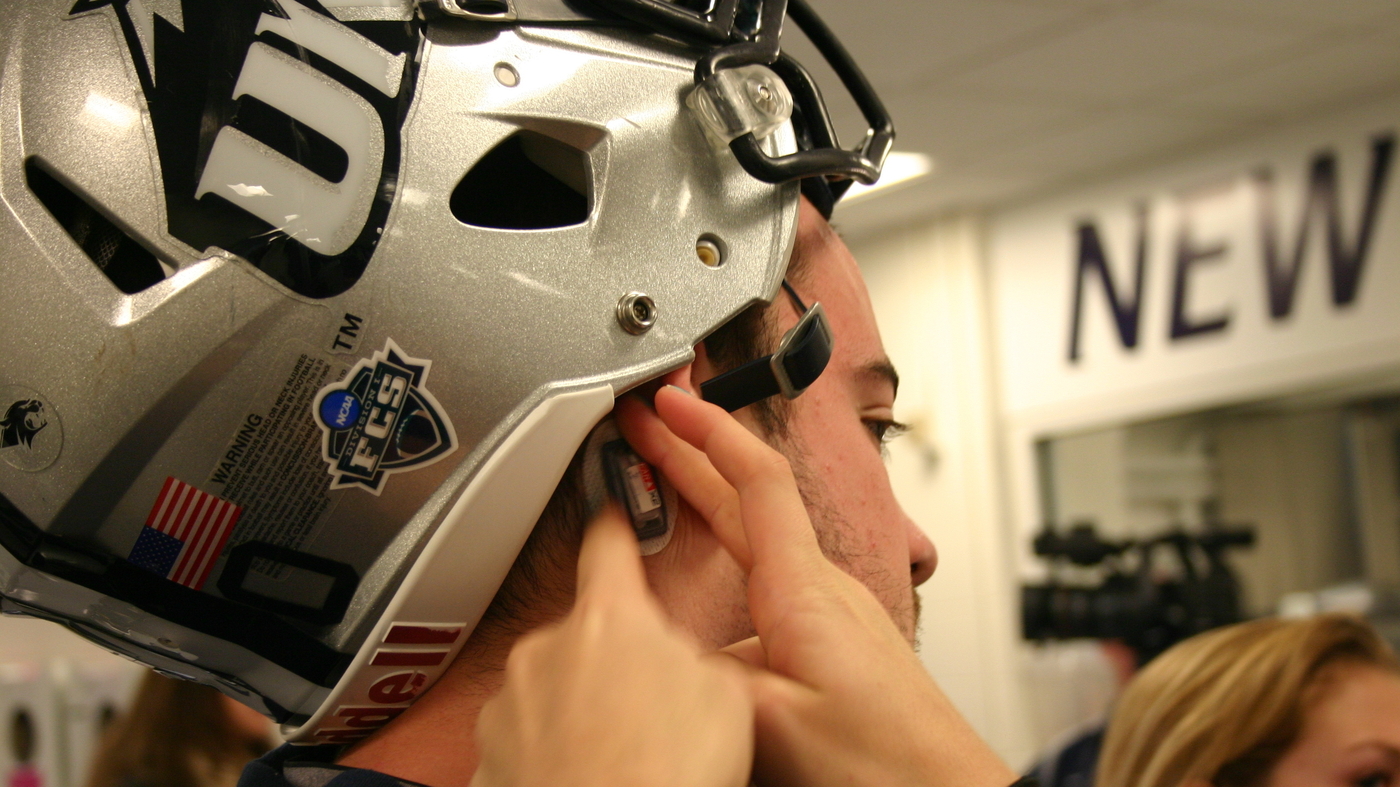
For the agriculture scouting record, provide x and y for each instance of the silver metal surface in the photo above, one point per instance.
(159, 384)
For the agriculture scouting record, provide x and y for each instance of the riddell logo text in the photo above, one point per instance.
(411, 657)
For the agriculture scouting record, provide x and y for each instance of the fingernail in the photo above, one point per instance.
(678, 388)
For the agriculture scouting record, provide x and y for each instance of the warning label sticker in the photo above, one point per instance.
(272, 466)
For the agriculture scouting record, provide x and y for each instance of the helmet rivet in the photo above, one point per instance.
(507, 75)
(709, 251)
(636, 312)
(763, 95)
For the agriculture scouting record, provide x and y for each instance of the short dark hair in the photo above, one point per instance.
(544, 570)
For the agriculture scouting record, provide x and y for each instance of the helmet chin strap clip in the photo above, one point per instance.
(801, 357)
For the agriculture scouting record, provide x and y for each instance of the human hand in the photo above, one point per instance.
(613, 695)
(841, 697)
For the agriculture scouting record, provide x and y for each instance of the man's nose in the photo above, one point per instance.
(923, 555)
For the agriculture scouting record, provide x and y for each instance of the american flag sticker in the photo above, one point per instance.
(184, 534)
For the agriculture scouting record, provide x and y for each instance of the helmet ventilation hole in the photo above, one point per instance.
(124, 261)
(484, 7)
(528, 182)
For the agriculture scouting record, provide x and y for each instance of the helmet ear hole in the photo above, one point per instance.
(527, 182)
(123, 260)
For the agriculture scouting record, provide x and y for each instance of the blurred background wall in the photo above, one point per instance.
(1170, 153)
(58, 694)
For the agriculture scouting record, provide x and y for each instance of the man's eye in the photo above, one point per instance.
(884, 430)
(1378, 779)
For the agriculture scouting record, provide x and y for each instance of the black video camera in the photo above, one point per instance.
(1146, 605)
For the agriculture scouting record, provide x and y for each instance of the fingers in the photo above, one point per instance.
(615, 658)
(609, 560)
(772, 512)
(690, 471)
(750, 651)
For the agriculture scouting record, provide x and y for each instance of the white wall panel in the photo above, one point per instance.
(1208, 201)
(1213, 200)
(928, 292)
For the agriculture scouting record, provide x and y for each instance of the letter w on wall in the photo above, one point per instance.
(1322, 202)
(1091, 259)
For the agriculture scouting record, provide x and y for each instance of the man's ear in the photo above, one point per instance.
(687, 377)
(680, 377)
(700, 369)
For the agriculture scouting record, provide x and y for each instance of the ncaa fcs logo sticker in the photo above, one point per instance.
(381, 420)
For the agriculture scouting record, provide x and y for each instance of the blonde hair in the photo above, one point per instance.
(175, 734)
(1224, 706)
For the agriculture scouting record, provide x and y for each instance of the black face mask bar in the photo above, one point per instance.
(748, 33)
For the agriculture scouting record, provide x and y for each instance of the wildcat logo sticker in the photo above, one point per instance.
(31, 434)
(381, 420)
(22, 421)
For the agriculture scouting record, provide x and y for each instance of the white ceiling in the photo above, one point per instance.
(1015, 97)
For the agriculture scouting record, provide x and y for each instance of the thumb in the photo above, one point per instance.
(609, 561)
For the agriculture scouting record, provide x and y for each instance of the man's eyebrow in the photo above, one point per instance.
(1389, 751)
(882, 371)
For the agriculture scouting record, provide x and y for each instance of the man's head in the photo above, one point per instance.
(423, 229)
(832, 435)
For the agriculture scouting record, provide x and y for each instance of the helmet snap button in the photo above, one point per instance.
(636, 312)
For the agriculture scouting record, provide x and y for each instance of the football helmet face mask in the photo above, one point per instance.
(311, 304)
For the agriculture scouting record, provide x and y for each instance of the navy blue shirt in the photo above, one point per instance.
(314, 766)
(311, 766)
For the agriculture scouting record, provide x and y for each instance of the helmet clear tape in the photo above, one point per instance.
(733, 102)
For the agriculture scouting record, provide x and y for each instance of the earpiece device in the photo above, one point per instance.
(612, 468)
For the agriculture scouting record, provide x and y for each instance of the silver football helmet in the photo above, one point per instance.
(309, 305)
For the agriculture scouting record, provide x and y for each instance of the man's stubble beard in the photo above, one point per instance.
(836, 535)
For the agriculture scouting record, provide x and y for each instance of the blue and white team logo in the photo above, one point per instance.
(381, 420)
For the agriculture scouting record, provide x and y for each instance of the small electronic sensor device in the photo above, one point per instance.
(633, 484)
(612, 469)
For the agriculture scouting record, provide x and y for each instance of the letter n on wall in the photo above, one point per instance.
(1091, 259)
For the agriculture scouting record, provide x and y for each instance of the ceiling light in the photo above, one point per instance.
(900, 168)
